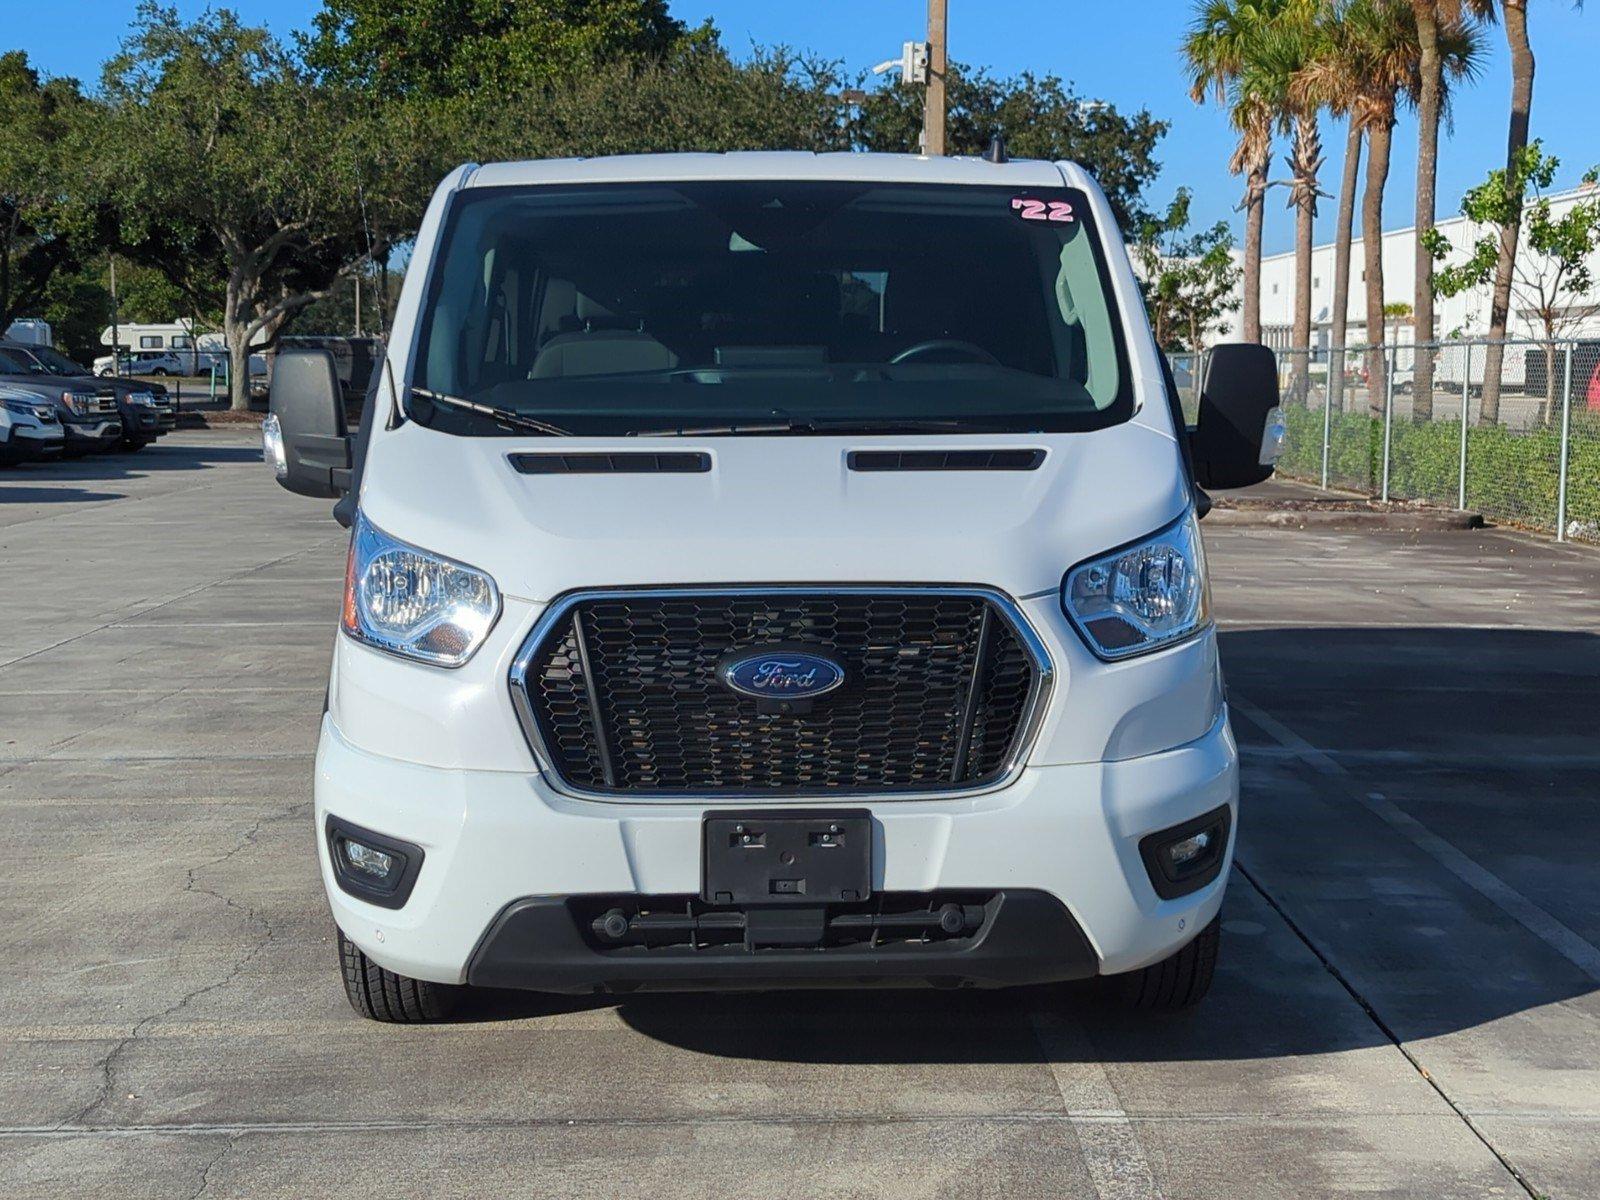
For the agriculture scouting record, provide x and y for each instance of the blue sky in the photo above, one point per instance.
(1125, 53)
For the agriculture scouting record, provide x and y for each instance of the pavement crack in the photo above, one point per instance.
(110, 1062)
(204, 1184)
(1383, 1026)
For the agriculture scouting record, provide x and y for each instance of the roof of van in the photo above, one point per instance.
(773, 164)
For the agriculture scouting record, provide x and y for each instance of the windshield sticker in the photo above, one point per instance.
(1042, 210)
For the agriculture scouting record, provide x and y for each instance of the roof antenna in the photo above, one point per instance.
(996, 153)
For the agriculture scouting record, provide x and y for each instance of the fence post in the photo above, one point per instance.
(1327, 420)
(1466, 393)
(1566, 446)
(1388, 418)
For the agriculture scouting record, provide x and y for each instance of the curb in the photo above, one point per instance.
(1429, 520)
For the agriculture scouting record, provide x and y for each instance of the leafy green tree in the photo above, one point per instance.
(227, 167)
(1041, 116)
(41, 219)
(393, 48)
(1554, 273)
(701, 100)
(1189, 279)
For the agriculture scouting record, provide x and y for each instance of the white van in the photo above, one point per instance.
(772, 570)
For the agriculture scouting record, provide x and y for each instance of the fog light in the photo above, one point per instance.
(368, 861)
(1182, 853)
(372, 866)
(1187, 857)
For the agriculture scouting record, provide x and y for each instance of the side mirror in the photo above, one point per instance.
(1240, 433)
(305, 437)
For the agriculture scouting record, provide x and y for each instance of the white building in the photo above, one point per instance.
(1463, 316)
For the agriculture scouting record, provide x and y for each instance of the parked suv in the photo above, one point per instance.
(145, 409)
(147, 362)
(29, 427)
(773, 570)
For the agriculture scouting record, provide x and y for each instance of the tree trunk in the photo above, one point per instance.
(1428, 118)
(1516, 17)
(1306, 159)
(1379, 137)
(237, 335)
(1255, 199)
(1341, 260)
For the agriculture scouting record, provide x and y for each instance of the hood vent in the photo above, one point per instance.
(945, 460)
(676, 462)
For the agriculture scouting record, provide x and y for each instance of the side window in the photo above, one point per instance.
(149, 341)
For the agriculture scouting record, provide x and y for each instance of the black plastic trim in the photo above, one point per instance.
(394, 896)
(537, 944)
(944, 460)
(1169, 886)
(670, 462)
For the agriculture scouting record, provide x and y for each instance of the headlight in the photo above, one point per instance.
(402, 599)
(1144, 596)
(78, 402)
(142, 399)
(42, 409)
(272, 447)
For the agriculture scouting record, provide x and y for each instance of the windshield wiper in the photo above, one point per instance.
(506, 416)
(905, 425)
(728, 430)
(817, 425)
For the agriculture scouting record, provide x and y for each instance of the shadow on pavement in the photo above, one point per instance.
(28, 483)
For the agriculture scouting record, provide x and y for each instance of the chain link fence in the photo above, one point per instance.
(1511, 430)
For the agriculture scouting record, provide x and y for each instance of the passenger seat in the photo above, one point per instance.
(600, 348)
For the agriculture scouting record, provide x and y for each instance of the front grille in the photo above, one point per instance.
(623, 696)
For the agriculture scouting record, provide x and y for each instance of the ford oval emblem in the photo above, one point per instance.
(779, 673)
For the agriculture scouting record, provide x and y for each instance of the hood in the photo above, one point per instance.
(772, 509)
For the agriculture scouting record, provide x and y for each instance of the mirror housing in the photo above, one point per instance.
(1240, 432)
(308, 404)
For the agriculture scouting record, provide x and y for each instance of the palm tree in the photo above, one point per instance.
(1333, 77)
(1516, 20)
(1221, 41)
(1438, 22)
(1277, 58)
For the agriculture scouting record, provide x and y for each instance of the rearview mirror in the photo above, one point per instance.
(1240, 433)
(305, 437)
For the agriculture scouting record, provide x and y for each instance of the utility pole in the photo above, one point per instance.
(933, 112)
(116, 352)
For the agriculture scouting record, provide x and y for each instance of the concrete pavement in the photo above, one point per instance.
(1408, 1002)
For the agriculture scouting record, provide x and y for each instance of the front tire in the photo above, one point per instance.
(1178, 981)
(382, 995)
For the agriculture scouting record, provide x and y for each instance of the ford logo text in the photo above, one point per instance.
(780, 674)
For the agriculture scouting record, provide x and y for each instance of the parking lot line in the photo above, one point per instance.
(1575, 949)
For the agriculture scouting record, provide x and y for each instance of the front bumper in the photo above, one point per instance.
(92, 435)
(503, 849)
(32, 442)
(141, 423)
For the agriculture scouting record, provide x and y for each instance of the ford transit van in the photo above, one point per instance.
(768, 571)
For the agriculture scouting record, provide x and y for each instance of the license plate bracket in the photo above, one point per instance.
(788, 856)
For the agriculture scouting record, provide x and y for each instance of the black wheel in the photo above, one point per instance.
(381, 995)
(1179, 981)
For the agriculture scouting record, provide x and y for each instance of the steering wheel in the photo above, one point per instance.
(951, 345)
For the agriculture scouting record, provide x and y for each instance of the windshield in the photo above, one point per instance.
(764, 307)
(16, 362)
(56, 362)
